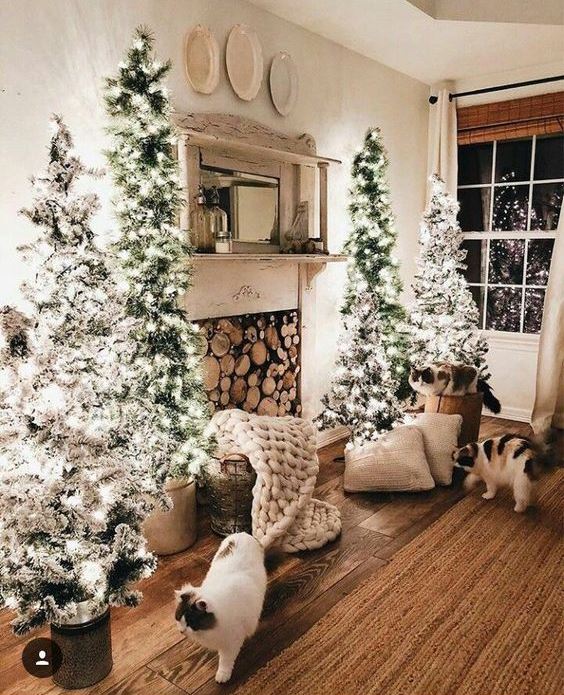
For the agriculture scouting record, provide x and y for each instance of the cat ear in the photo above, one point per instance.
(201, 605)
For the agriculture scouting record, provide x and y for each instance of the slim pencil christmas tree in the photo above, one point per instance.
(370, 379)
(154, 254)
(444, 317)
(74, 488)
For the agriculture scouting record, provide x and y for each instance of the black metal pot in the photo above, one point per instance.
(86, 649)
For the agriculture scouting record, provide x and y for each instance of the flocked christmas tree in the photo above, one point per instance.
(444, 316)
(370, 379)
(73, 489)
(154, 253)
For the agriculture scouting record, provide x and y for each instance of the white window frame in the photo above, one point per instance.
(527, 235)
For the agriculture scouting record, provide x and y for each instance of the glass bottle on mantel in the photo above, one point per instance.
(218, 224)
(198, 233)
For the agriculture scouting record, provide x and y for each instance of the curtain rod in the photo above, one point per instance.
(498, 88)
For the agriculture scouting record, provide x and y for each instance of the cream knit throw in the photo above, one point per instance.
(282, 450)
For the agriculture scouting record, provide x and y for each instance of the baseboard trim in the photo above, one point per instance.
(509, 413)
(330, 436)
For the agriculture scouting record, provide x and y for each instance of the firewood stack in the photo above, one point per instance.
(252, 363)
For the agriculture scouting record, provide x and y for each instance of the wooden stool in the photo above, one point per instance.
(469, 406)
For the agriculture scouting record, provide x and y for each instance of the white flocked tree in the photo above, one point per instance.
(444, 316)
(74, 483)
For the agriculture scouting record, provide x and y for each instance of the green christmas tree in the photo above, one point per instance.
(370, 380)
(154, 254)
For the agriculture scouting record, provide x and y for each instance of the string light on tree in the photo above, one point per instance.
(370, 380)
(74, 487)
(444, 316)
(155, 255)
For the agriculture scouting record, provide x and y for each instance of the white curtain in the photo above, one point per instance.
(442, 159)
(549, 397)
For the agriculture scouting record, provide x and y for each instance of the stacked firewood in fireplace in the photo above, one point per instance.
(252, 362)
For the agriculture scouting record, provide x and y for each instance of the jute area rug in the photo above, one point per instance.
(473, 605)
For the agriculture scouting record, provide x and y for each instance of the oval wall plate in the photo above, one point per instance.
(201, 59)
(243, 58)
(283, 83)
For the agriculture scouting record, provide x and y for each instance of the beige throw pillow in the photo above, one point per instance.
(395, 462)
(440, 438)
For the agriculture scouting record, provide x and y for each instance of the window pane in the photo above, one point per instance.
(534, 301)
(478, 297)
(549, 158)
(506, 261)
(539, 254)
(513, 160)
(474, 209)
(475, 260)
(547, 201)
(510, 208)
(475, 163)
(504, 309)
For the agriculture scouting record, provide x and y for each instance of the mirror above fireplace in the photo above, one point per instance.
(250, 202)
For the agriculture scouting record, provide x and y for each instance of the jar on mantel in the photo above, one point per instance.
(216, 221)
(200, 235)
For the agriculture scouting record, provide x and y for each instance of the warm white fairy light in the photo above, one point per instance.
(444, 317)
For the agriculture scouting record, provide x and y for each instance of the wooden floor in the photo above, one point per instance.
(150, 655)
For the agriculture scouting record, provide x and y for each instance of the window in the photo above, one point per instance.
(510, 194)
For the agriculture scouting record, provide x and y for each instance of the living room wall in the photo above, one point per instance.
(68, 46)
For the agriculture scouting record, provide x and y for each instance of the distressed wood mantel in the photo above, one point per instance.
(248, 283)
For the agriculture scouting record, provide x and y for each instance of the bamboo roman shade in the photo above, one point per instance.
(516, 118)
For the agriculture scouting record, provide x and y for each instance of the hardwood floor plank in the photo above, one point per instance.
(144, 682)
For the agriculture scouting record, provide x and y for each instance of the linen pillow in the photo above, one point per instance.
(440, 438)
(395, 462)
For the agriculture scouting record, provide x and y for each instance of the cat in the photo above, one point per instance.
(451, 379)
(225, 610)
(509, 461)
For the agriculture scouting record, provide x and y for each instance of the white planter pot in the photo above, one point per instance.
(173, 531)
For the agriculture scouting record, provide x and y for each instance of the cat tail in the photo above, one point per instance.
(490, 401)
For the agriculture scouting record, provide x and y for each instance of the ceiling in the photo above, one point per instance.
(434, 40)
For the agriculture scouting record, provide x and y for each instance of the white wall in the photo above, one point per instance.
(512, 360)
(54, 54)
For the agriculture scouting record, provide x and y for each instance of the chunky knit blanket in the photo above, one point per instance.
(282, 450)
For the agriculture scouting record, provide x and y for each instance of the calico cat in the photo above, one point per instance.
(451, 379)
(508, 461)
(225, 610)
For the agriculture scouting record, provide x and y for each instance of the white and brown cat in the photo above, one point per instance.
(451, 379)
(225, 610)
(509, 461)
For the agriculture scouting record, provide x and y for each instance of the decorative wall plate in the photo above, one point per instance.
(201, 59)
(283, 83)
(243, 57)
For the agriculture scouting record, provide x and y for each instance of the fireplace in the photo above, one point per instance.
(253, 362)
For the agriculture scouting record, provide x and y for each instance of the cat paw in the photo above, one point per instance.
(520, 508)
(222, 676)
(488, 495)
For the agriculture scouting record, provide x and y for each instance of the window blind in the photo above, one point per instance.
(506, 120)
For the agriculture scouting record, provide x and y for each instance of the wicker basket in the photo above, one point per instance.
(229, 482)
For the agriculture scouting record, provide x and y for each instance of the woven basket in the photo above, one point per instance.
(229, 482)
